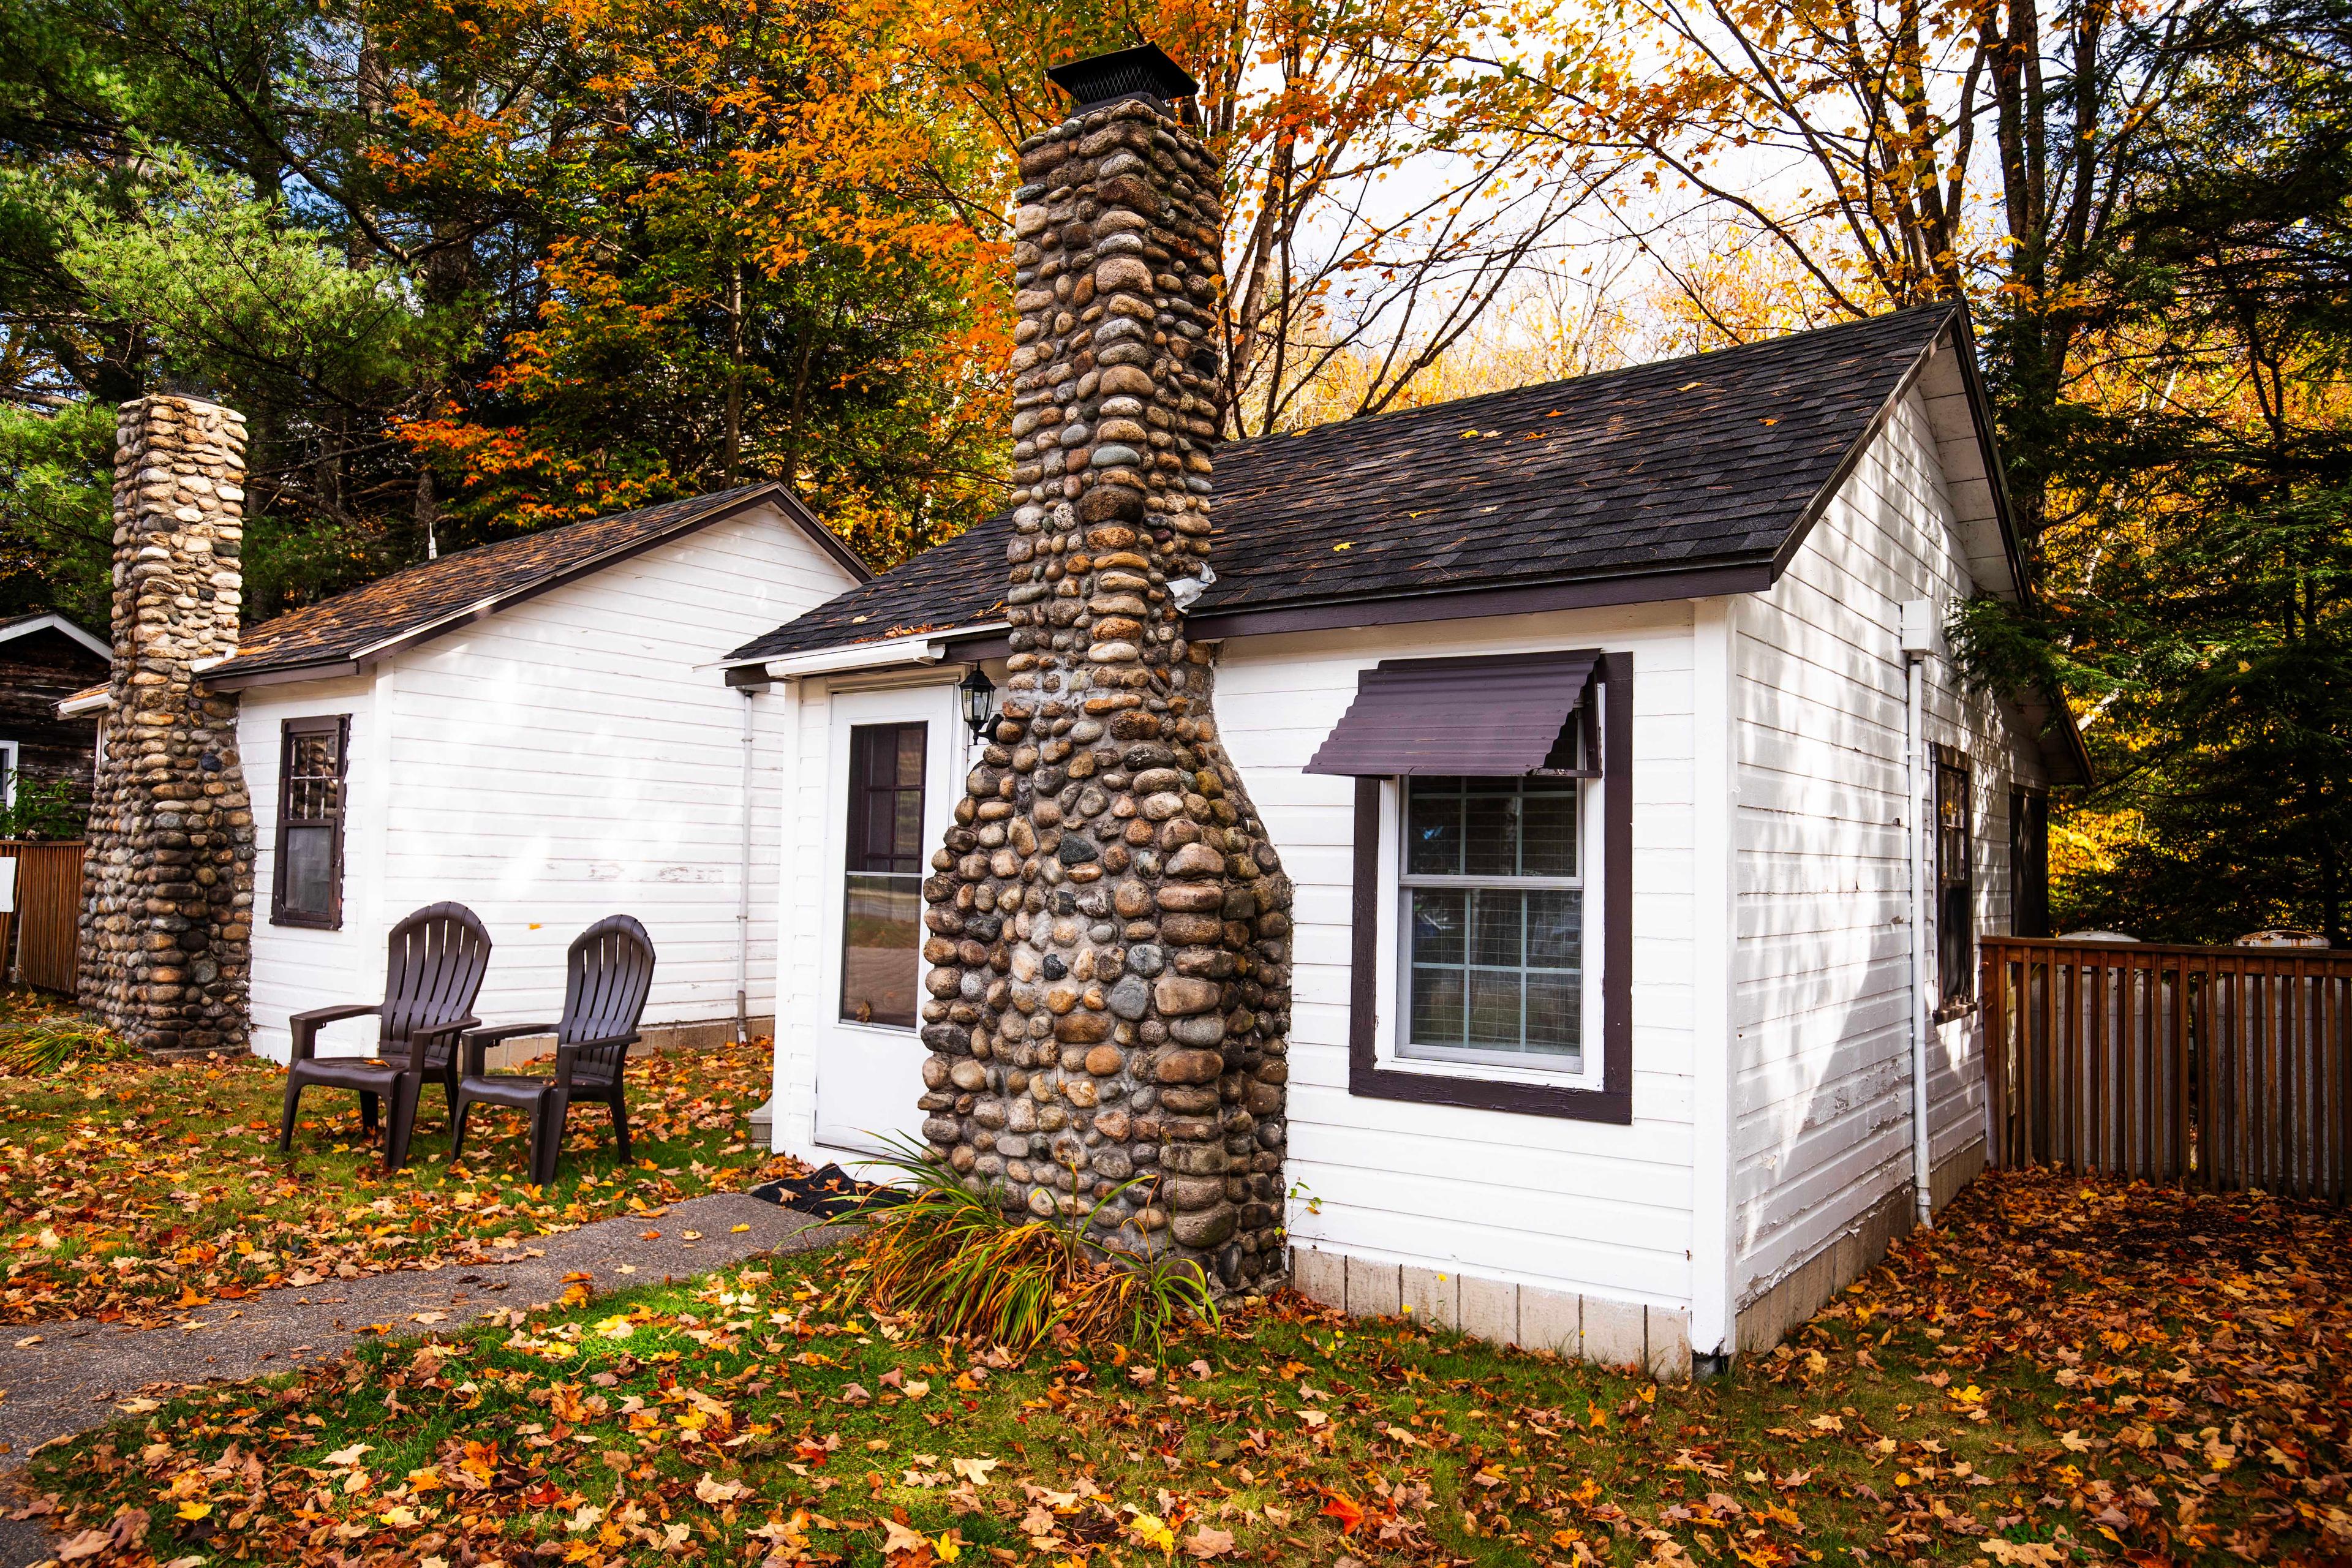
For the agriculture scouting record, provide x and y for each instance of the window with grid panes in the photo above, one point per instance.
(1492, 910)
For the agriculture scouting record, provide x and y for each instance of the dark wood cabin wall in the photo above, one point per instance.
(37, 672)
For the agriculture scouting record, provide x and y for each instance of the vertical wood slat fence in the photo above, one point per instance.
(48, 906)
(2217, 1067)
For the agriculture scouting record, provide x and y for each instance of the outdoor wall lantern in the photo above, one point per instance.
(979, 695)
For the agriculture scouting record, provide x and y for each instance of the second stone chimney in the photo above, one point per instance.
(167, 895)
(1109, 1004)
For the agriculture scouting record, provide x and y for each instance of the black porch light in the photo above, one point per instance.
(978, 694)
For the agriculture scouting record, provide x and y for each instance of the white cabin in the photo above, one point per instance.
(1719, 1131)
(535, 728)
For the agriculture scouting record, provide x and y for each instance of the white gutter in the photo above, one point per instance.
(1918, 641)
(865, 655)
(94, 702)
(862, 656)
(743, 890)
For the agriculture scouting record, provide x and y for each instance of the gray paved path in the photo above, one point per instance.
(77, 1373)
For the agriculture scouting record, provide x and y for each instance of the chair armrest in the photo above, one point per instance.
(424, 1035)
(305, 1026)
(478, 1041)
(566, 1053)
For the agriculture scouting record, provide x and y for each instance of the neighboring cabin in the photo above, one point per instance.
(44, 659)
(530, 727)
(1642, 1086)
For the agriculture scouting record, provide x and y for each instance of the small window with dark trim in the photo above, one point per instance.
(1506, 896)
(312, 786)
(882, 913)
(1955, 878)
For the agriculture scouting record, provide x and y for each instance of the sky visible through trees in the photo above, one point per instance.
(472, 266)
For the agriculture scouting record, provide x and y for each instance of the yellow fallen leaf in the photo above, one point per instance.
(1152, 1532)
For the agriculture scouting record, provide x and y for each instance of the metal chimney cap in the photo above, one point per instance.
(1143, 71)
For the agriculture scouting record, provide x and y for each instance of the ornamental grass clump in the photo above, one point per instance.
(48, 1045)
(947, 1253)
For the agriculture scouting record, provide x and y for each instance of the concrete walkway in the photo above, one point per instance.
(73, 1374)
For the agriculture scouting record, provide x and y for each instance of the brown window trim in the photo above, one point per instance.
(1956, 984)
(1613, 1100)
(340, 726)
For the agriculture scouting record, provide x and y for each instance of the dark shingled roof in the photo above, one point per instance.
(410, 604)
(1714, 460)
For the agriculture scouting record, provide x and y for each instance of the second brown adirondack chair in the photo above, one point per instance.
(607, 976)
(432, 973)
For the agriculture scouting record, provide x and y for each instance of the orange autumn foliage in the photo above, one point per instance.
(753, 267)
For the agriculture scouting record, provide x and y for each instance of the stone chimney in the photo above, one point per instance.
(167, 898)
(1110, 933)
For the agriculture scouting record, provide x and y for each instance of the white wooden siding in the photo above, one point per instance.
(1572, 1206)
(1568, 1205)
(295, 968)
(567, 758)
(1821, 1070)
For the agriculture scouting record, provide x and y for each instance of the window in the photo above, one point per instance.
(2028, 863)
(1493, 907)
(1492, 947)
(7, 772)
(313, 755)
(883, 872)
(1955, 878)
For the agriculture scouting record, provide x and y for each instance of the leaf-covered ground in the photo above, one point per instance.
(2065, 1372)
(129, 1191)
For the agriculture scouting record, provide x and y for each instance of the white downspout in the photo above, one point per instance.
(1918, 641)
(743, 885)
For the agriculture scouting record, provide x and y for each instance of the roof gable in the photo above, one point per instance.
(1707, 471)
(39, 622)
(374, 622)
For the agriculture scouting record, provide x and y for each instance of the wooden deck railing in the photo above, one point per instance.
(2217, 1067)
(47, 917)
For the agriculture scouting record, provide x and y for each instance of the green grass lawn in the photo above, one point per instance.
(127, 1191)
(2063, 1372)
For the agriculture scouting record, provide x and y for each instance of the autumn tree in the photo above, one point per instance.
(754, 271)
(1381, 203)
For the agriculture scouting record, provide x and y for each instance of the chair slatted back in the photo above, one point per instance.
(432, 974)
(610, 970)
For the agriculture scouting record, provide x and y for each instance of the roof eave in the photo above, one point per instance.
(62, 626)
(335, 665)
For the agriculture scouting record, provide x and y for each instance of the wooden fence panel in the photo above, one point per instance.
(2218, 1068)
(48, 906)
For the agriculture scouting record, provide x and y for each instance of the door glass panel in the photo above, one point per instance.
(882, 905)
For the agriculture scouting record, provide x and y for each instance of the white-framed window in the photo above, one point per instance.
(1491, 910)
(8, 751)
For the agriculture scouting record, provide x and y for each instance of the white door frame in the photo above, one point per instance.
(869, 1076)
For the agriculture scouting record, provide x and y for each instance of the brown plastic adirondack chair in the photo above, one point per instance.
(607, 974)
(432, 973)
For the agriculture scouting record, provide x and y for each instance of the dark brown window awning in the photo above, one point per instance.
(1494, 716)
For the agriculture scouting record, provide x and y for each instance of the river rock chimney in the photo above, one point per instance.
(1110, 933)
(167, 900)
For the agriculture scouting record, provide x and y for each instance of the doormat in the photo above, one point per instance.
(825, 1192)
